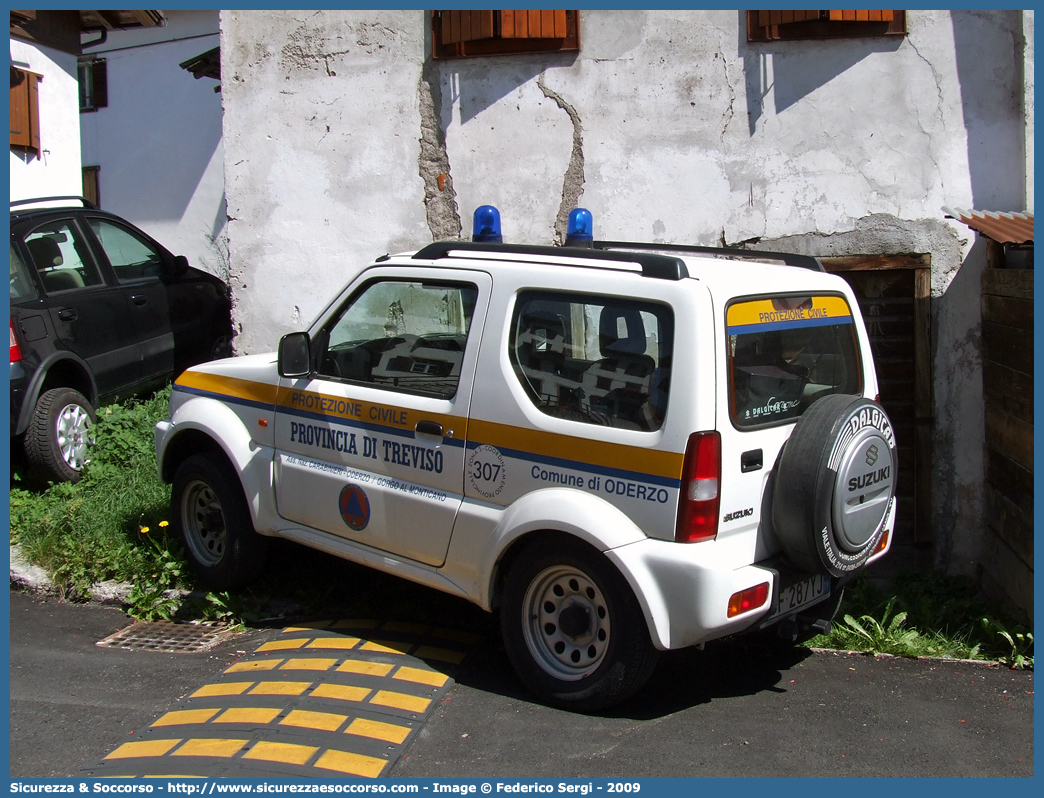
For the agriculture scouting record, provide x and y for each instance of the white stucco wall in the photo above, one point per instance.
(689, 134)
(158, 142)
(668, 126)
(56, 172)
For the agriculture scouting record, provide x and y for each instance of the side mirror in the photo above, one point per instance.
(180, 265)
(295, 356)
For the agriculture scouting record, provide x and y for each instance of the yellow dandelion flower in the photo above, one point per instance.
(144, 530)
(163, 524)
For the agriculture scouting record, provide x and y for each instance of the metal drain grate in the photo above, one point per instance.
(168, 637)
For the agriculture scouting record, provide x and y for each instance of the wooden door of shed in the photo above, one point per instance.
(894, 298)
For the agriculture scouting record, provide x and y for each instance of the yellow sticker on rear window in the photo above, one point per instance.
(761, 315)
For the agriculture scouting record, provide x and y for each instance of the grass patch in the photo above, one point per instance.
(926, 615)
(114, 525)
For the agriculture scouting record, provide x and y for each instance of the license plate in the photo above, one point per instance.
(807, 591)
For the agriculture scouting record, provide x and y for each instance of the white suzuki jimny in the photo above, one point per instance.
(622, 447)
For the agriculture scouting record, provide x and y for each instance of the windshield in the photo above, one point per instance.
(787, 351)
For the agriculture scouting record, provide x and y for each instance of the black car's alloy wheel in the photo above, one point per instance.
(59, 437)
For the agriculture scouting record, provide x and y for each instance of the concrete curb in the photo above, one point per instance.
(942, 660)
(34, 579)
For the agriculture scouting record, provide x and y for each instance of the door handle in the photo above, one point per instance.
(429, 428)
(67, 314)
(751, 461)
(139, 299)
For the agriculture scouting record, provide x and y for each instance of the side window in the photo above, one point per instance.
(131, 256)
(21, 283)
(786, 352)
(408, 336)
(61, 257)
(595, 360)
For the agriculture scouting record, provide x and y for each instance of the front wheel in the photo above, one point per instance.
(213, 521)
(573, 629)
(59, 437)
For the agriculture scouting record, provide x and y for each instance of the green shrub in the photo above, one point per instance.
(112, 525)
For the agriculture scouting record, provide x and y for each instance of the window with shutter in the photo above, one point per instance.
(463, 34)
(768, 26)
(25, 110)
(94, 84)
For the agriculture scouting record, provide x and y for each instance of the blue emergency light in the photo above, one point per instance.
(486, 225)
(581, 225)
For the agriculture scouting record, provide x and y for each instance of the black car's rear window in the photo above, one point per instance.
(21, 283)
(785, 352)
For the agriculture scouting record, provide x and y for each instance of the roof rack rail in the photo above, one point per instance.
(661, 267)
(789, 258)
(86, 202)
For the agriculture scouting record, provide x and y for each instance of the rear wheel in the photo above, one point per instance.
(573, 629)
(59, 437)
(212, 518)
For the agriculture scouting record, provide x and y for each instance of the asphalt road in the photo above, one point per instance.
(728, 711)
(73, 702)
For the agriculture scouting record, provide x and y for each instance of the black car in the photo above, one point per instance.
(99, 311)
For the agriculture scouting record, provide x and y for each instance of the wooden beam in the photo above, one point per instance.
(876, 262)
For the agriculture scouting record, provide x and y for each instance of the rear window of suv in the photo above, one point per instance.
(785, 352)
(594, 359)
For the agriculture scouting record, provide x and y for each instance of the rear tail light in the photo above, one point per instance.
(701, 478)
(883, 544)
(16, 352)
(747, 600)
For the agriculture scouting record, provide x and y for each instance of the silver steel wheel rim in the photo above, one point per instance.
(204, 523)
(73, 433)
(566, 623)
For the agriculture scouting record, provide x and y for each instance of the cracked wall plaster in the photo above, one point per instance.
(440, 199)
(573, 182)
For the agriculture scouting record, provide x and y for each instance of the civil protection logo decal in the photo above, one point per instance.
(355, 507)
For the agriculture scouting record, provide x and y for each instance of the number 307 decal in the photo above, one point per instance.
(486, 472)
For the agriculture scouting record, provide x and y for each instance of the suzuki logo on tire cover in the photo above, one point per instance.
(871, 455)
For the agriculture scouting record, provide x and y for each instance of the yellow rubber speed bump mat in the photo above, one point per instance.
(337, 698)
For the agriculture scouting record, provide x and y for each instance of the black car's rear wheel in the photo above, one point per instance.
(59, 437)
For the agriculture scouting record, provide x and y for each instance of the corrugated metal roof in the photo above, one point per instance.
(1005, 228)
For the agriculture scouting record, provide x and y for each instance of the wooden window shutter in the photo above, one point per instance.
(859, 16)
(25, 110)
(100, 83)
(459, 34)
(91, 188)
(766, 26)
(466, 26)
(532, 24)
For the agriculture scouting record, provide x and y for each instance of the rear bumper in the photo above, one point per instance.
(684, 589)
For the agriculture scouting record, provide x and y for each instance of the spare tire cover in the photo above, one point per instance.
(835, 482)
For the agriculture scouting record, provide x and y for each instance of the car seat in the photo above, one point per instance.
(619, 384)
